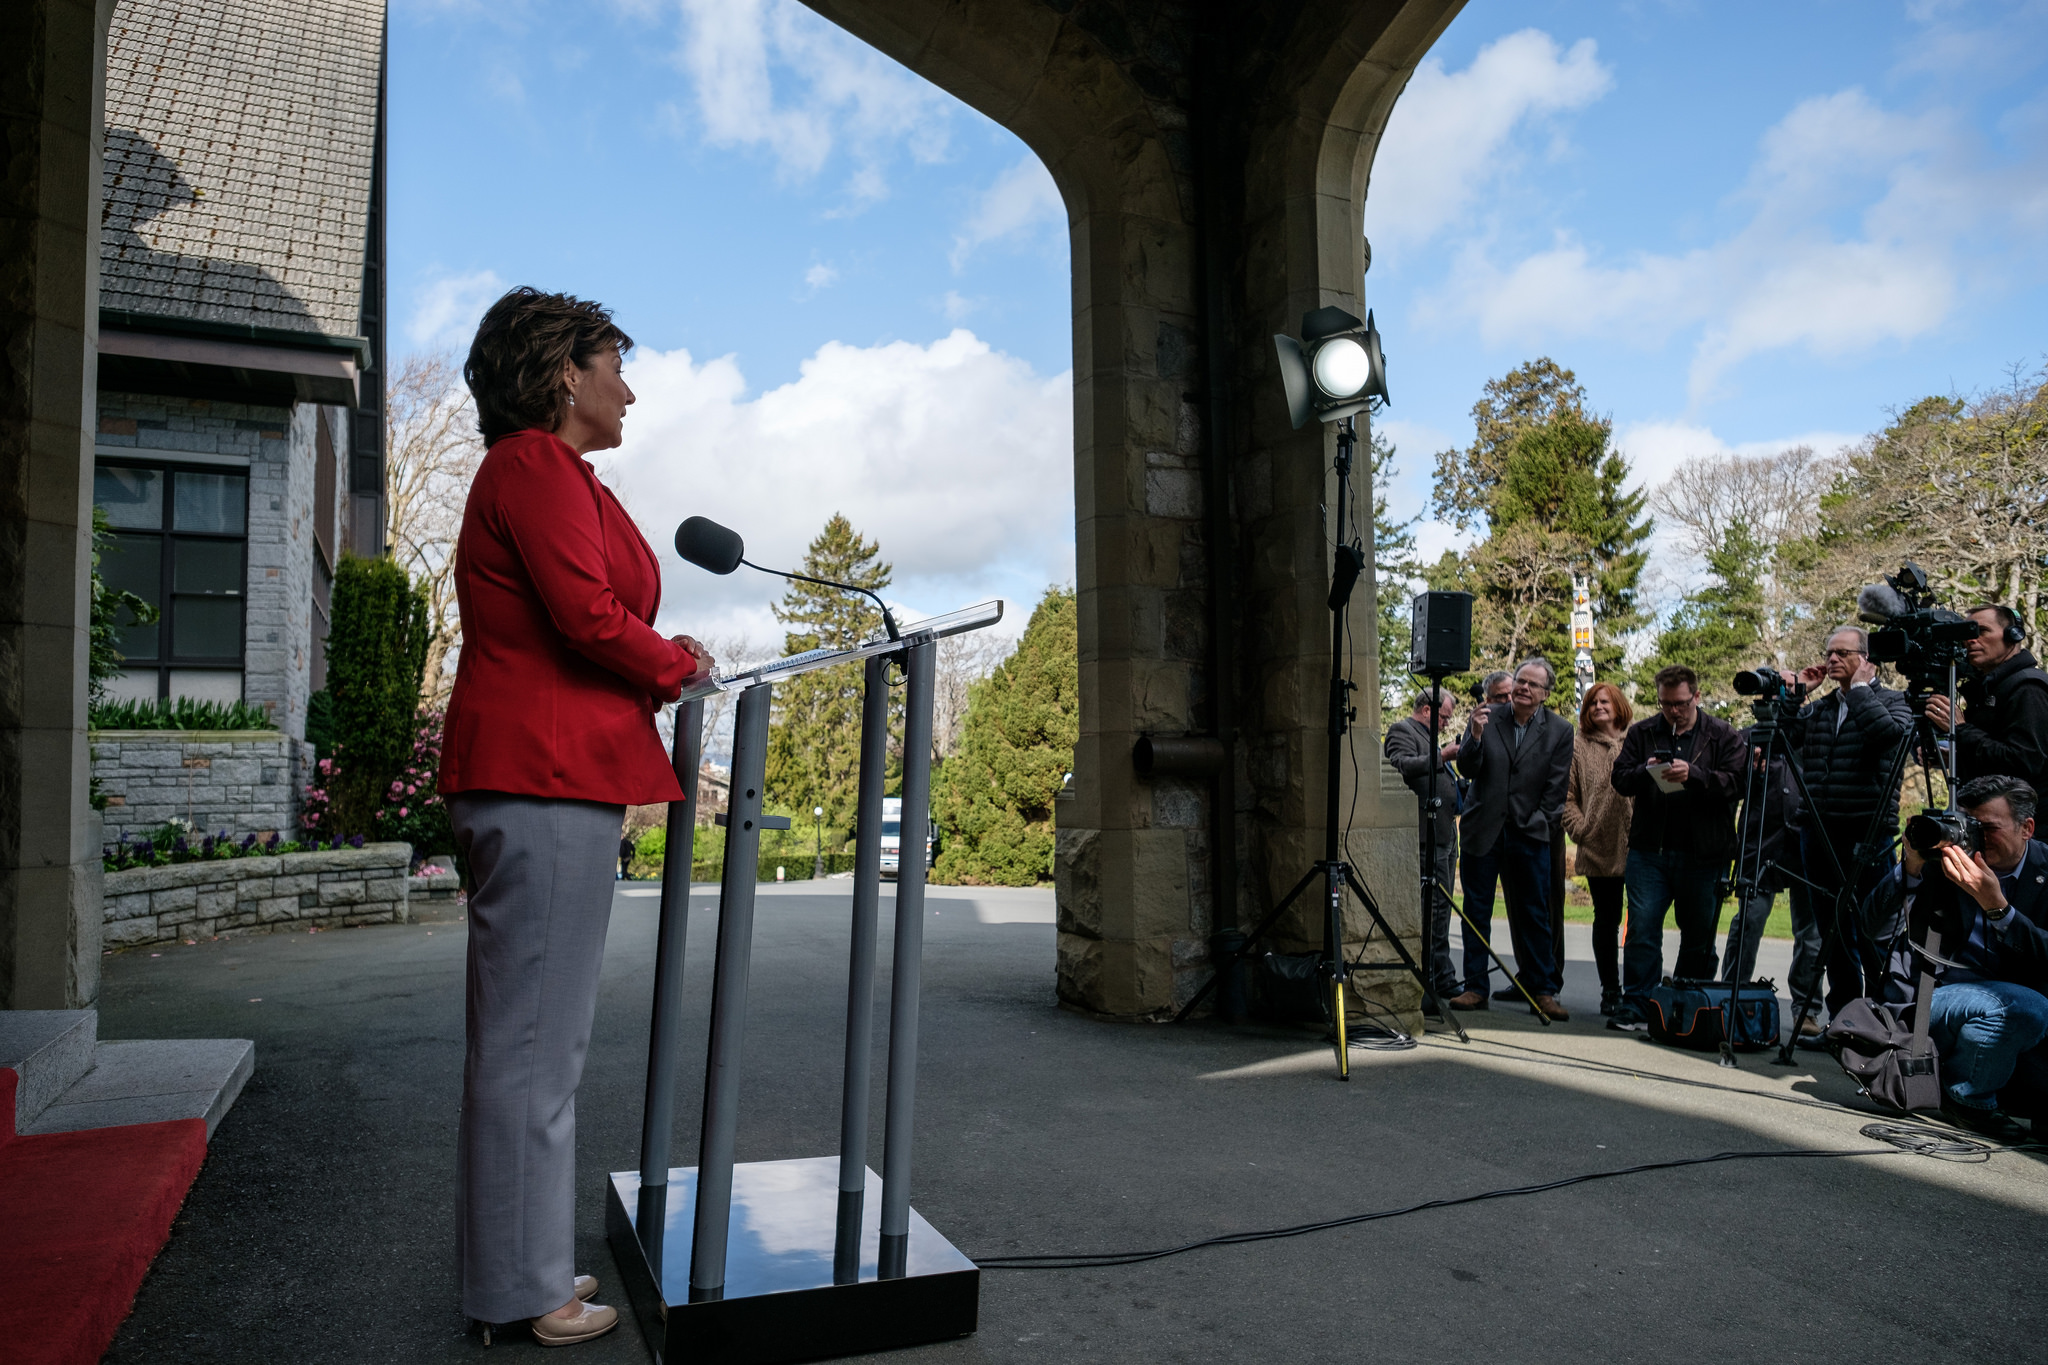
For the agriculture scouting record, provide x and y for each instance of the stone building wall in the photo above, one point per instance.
(345, 887)
(279, 445)
(243, 781)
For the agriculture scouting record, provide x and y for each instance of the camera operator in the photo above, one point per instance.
(1408, 748)
(1989, 1014)
(1679, 840)
(1519, 758)
(1846, 741)
(2005, 696)
(1478, 877)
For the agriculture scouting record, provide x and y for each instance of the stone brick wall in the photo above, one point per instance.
(243, 781)
(348, 886)
(279, 444)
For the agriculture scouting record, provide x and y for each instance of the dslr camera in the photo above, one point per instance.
(1932, 830)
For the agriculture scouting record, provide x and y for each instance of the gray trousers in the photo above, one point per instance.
(543, 898)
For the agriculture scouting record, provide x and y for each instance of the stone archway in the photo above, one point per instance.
(1214, 160)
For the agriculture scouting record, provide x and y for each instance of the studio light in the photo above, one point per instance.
(1335, 370)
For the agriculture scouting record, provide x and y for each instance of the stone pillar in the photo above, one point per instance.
(52, 83)
(1213, 158)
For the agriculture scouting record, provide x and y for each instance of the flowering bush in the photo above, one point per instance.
(409, 810)
(177, 842)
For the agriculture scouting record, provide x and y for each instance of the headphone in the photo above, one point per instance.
(2015, 634)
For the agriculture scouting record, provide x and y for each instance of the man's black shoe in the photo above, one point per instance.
(1508, 993)
(1626, 1019)
(1988, 1123)
(1610, 1001)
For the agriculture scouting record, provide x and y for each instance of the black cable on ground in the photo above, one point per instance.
(1900, 1139)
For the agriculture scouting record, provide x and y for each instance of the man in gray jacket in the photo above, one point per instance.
(1427, 772)
(1519, 761)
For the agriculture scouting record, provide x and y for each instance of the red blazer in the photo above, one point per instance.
(561, 670)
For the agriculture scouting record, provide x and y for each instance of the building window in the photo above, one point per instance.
(181, 544)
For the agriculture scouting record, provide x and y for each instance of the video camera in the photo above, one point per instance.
(1914, 634)
(1775, 693)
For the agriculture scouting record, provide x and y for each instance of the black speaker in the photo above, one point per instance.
(1440, 633)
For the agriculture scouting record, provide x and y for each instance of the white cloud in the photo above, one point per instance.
(771, 74)
(1022, 198)
(1865, 227)
(1450, 133)
(957, 458)
(820, 276)
(1655, 449)
(957, 306)
(446, 311)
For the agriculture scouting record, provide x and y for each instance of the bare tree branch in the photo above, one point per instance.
(432, 450)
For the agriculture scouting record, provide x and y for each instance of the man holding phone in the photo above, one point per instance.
(1685, 771)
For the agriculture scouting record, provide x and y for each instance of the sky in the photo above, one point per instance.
(850, 292)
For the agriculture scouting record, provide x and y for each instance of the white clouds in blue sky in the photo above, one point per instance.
(1740, 235)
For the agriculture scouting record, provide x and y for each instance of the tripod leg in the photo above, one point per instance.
(1245, 948)
(1337, 1013)
(1429, 996)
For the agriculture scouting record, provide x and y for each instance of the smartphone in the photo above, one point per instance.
(1661, 756)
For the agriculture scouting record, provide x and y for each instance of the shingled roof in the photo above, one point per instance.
(240, 144)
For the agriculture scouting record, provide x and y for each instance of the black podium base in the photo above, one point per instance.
(780, 1302)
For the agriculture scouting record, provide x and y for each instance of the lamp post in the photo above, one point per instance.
(817, 843)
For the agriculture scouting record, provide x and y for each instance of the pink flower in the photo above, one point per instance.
(403, 812)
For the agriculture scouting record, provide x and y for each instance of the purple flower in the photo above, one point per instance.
(355, 841)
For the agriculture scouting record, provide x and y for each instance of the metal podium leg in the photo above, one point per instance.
(860, 973)
(658, 1119)
(729, 997)
(903, 995)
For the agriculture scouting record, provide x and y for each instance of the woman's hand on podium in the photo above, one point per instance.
(690, 646)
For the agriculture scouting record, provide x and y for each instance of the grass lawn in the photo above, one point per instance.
(1578, 909)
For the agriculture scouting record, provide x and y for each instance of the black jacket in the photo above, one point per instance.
(1767, 821)
(2005, 722)
(1515, 787)
(1409, 750)
(2016, 953)
(1844, 765)
(1699, 821)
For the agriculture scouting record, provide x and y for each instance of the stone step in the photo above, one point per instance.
(49, 1050)
(149, 1082)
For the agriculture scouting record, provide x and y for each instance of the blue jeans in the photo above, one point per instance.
(1659, 882)
(1521, 867)
(1982, 1029)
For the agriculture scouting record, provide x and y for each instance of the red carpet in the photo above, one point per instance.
(81, 1217)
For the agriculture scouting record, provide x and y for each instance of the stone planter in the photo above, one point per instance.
(442, 888)
(243, 781)
(326, 889)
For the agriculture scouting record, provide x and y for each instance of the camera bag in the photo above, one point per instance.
(1694, 1014)
(1290, 988)
(1895, 1064)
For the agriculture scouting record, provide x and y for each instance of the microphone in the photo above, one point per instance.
(719, 549)
(1878, 603)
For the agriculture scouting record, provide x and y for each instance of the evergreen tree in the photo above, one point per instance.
(1395, 571)
(814, 735)
(993, 799)
(1716, 629)
(376, 655)
(1543, 481)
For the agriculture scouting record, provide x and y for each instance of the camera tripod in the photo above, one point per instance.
(1333, 869)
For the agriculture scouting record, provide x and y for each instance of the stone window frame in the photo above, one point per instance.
(172, 463)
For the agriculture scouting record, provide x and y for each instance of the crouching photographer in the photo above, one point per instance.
(1981, 883)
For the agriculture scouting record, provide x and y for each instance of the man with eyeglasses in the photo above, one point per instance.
(1518, 756)
(1684, 771)
(1846, 741)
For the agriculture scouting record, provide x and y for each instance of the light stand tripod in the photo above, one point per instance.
(1333, 869)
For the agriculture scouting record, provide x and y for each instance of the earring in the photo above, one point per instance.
(572, 400)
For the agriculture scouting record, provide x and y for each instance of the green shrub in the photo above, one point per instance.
(178, 713)
(376, 656)
(104, 657)
(176, 842)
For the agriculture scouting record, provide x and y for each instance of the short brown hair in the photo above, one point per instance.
(1624, 714)
(1673, 674)
(514, 370)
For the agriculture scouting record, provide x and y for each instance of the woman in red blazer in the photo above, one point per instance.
(549, 736)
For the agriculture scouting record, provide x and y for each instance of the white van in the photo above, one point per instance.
(892, 836)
